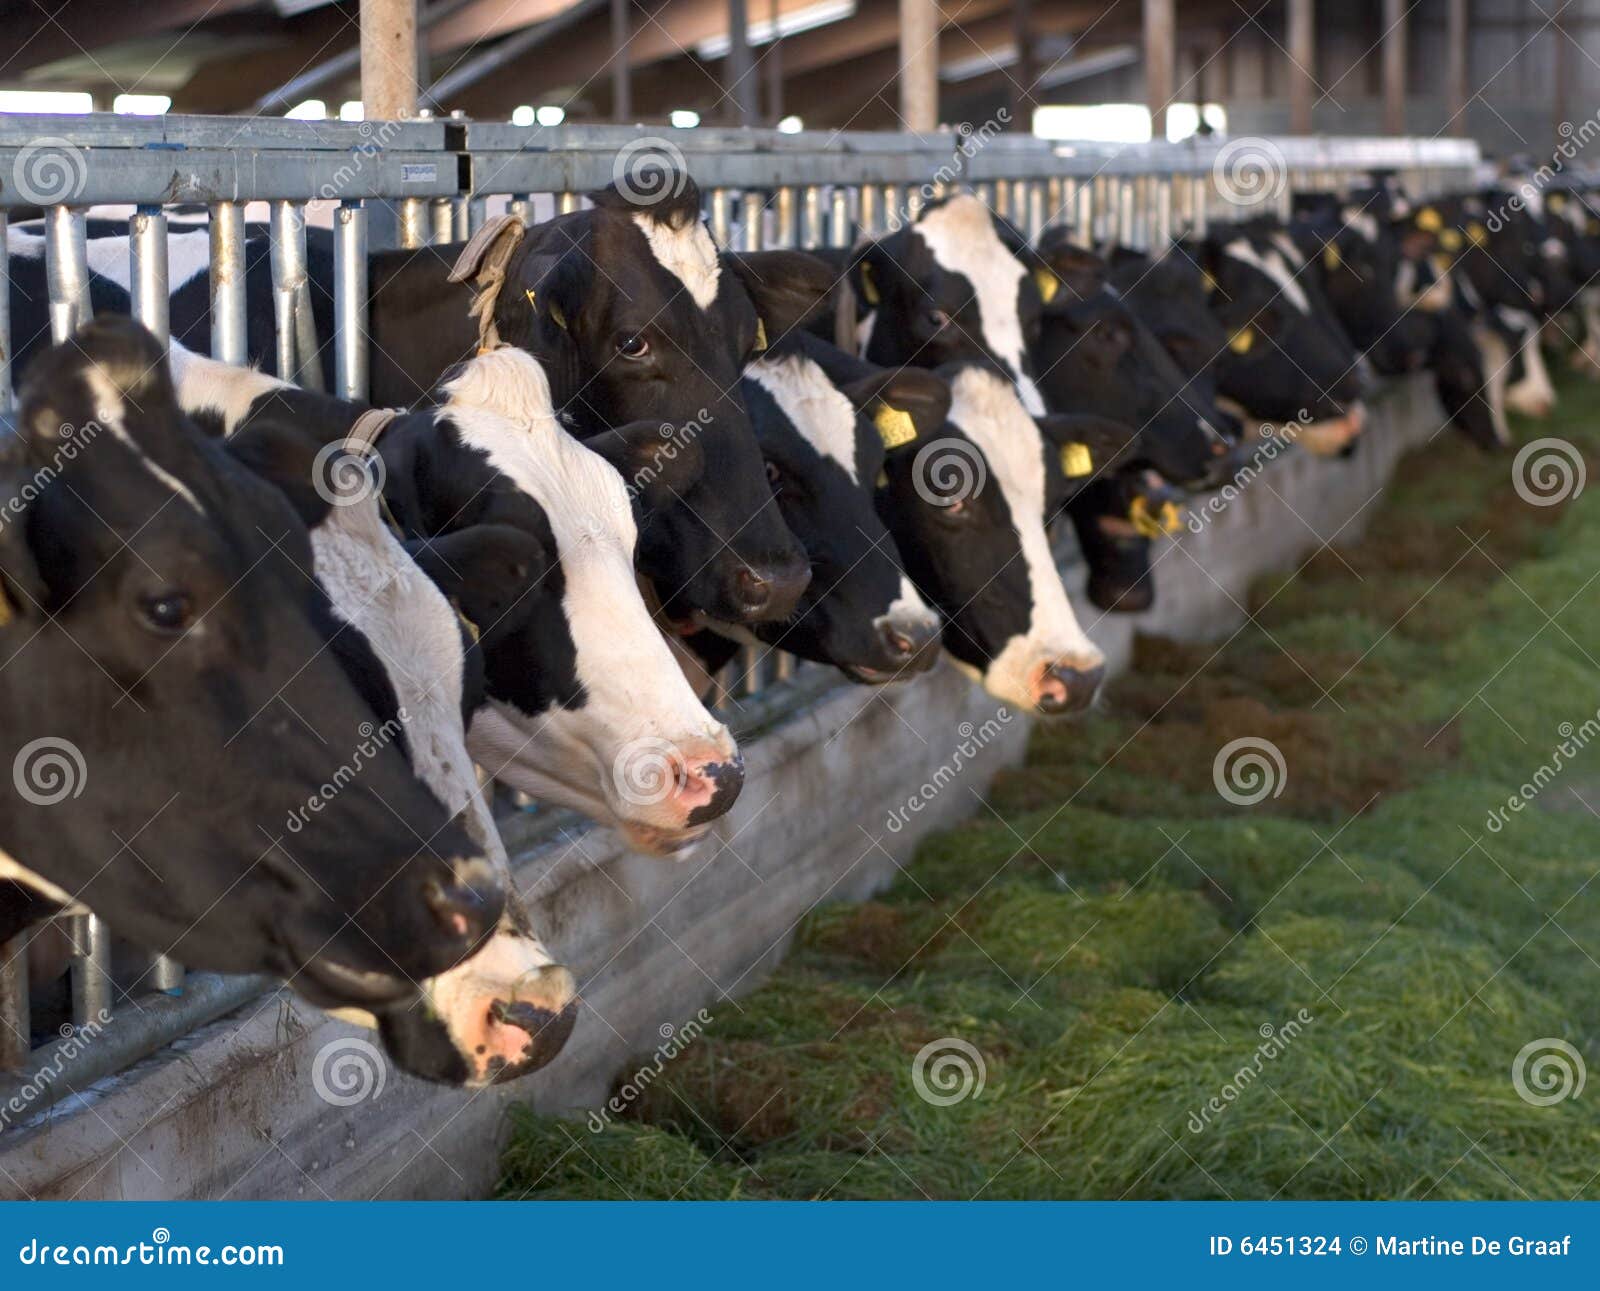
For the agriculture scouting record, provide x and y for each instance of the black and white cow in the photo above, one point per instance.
(586, 707)
(166, 658)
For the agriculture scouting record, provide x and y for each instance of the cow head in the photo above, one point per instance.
(164, 631)
(637, 316)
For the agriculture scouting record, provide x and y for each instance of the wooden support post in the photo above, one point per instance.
(741, 79)
(1022, 96)
(1160, 69)
(1302, 64)
(773, 63)
(1456, 89)
(621, 81)
(1394, 67)
(388, 59)
(919, 65)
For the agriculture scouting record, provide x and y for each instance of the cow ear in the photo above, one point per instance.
(787, 287)
(484, 570)
(22, 588)
(1066, 274)
(906, 405)
(652, 456)
(482, 264)
(1085, 445)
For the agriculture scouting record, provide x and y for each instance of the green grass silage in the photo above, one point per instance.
(1319, 996)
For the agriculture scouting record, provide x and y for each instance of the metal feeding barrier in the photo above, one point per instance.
(434, 181)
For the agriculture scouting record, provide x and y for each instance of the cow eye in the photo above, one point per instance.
(632, 347)
(773, 474)
(167, 611)
(937, 318)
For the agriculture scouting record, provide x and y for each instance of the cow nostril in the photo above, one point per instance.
(1064, 689)
(753, 591)
(461, 909)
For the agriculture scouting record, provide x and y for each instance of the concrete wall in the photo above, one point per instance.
(234, 1110)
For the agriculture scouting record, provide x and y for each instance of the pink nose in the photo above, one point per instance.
(707, 783)
(1062, 688)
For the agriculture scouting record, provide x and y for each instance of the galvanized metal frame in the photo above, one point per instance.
(759, 188)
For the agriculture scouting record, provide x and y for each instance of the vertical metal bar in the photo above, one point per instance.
(720, 216)
(916, 196)
(350, 300)
(1000, 198)
(521, 205)
(413, 230)
(1038, 210)
(15, 1024)
(442, 216)
(568, 202)
(165, 975)
(1161, 230)
(460, 219)
(752, 211)
(892, 211)
(1055, 201)
(785, 230)
(288, 276)
(230, 342)
(91, 968)
(147, 269)
(1084, 218)
(1125, 211)
(66, 266)
(5, 319)
(870, 216)
(839, 217)
(811, 230)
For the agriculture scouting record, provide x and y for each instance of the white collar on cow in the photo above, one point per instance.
(686, 252)
(961, 237)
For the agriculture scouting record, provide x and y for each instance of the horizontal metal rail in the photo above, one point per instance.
(760, 188)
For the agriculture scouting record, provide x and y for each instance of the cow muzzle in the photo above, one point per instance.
(1062, 687)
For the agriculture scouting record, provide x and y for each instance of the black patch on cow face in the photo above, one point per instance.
(185, 656)
(632, 343)
(855, 568)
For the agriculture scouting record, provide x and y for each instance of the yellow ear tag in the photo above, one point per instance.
(1478, 233)
(1170, 519)
(1450, 240)
(761, 336)
(1241, 341)
(869, 288)
(1076, 460)
(1428, 220)
(1331, 259)
(1441, 264)
(1555, 201)
(895, 426)
(1208, 280)
(1049, 284)
(1143, 522)
(883, 480)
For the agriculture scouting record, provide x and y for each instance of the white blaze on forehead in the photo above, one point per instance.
(500, 405)
(961, 237)
(987, 410)
(687, 253)
(817, 408)
(1274, 268)
(107, 391)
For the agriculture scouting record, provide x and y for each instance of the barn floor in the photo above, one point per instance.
(1322, 995)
